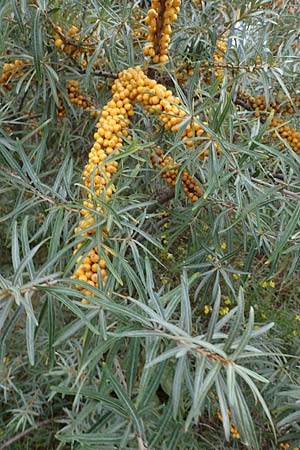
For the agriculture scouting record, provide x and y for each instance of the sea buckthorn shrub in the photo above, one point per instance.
(149, 164)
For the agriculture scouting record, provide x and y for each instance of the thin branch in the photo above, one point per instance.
(100, 73)
(202, 351)
(120, 373)
(161, 197)
(139, 441)
(23, 434)
(33, 190)
(294, 195)
(244, 104)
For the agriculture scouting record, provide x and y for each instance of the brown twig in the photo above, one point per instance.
(244, 104)
(161, 197)
(102, 73)
(159, 26)
(120, 373)
(294, 195)
(209, 355)
(23, 434)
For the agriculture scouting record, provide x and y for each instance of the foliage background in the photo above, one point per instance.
(182, 330)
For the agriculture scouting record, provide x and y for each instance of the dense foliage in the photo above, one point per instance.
(149, 165)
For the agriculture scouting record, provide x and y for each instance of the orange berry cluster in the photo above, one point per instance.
(137, 29)
(281, 105)
(97, 175)
(170, 172)
(187, 70)
(218, 60)
(184, 71)
(61, 112)
(221, 48)
(233, 430)
(77, 98)
(157, 99)
(10, 71)
(289, 134)
(131, 85)
(74, 45)
(159, 18)
(286, 446)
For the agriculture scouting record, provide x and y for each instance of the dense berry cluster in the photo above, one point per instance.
(280, 106)
(77, 98)
(97, 174)
(289, 134)
(10, 71)
(132, 85)
(159, 18)
(170, 171)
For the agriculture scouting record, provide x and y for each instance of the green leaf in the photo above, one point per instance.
(125, 400)
(37, 44)
(76, 310)
(30, 328)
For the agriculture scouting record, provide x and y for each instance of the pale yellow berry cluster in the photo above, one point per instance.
(159, 18)
(170, 172)
(11, 71)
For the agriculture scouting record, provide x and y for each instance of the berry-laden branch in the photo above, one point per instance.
(159, 18)
(77, 47)
(170, 171)
(76, 97)
(281, 106)
(12, 71)
(132, 86)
